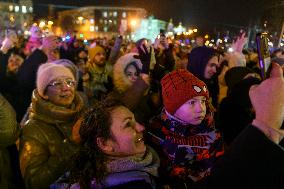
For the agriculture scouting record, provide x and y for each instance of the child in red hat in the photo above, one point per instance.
(184, 133)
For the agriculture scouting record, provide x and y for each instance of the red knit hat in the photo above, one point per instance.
(179, 86)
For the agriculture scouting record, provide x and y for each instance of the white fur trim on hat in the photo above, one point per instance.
(48, 72)
(120, 80)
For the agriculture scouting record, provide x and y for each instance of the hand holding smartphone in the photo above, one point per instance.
(263, 53)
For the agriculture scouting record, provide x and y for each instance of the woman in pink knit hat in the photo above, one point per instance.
(47, 143)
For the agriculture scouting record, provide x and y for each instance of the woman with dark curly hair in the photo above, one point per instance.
(112, 152)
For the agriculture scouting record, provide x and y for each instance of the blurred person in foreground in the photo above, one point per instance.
(255, 159)
(9, 133)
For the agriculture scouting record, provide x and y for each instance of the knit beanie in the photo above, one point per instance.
(70, 65)
(178, 87)
(48, 72)
(93, 51)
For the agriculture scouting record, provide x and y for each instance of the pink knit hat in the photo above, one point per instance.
(178, 87)
(48, 72)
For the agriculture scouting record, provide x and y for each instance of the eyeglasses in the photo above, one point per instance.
(58, 84)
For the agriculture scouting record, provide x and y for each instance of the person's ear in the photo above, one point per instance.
(105, 145)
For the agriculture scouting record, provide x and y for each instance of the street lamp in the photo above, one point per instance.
(133, 23)
(41, 24)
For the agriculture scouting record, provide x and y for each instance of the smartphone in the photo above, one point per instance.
(263, 53)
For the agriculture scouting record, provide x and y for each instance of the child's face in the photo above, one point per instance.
(193, 111)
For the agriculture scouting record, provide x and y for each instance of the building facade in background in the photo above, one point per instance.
(15, 15)
(93, 21)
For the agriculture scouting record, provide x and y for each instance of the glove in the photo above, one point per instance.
(145, 57)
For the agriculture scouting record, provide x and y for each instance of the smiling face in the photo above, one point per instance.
(211, 67)
(127, 134)
(14, 62)
(61, 91)
(193, 111)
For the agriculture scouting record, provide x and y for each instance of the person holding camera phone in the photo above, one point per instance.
(255, 159)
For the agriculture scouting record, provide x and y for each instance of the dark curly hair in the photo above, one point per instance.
(90, 162)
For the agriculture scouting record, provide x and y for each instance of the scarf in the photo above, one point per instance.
(48, 112)
(192, 149)
(133, 168)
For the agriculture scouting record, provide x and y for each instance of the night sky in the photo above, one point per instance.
(202, 13)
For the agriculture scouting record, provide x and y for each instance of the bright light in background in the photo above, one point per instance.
(270, 43)
(26, 32)
(11, 7)
(230, 49)
(190, 31)
(50, 23)
(24, 9)
(195, 30)
(41, 24)
(207, 43)
(206, 36)
(92, 28)
(133, 22)
(17, 8)
(80, 18)
(85, 41)
(12, 19)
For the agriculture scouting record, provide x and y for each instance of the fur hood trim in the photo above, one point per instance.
(120, 80)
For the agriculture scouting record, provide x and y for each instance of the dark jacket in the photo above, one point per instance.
(9, 132)
(45, 142)
(253, 162)
(27, 80)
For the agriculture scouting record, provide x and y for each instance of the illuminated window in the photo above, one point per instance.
(31, 9)
(105, 29)
(114, 14)
(114, 22)
(92, 28)
(124, 14)
(24, 9)
(17, 8)
(92, 20)
(105, 21)
(101, 21)
(105, 14)
(11, 7)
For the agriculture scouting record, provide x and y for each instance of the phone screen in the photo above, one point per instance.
(263, 53)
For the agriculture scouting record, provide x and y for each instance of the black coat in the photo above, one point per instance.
(27, 80)
(253, 162)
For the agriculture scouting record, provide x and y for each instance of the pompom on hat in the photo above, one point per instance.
(48, 72)
(178, 87)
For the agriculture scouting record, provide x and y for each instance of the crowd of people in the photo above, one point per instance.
(118, 114)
